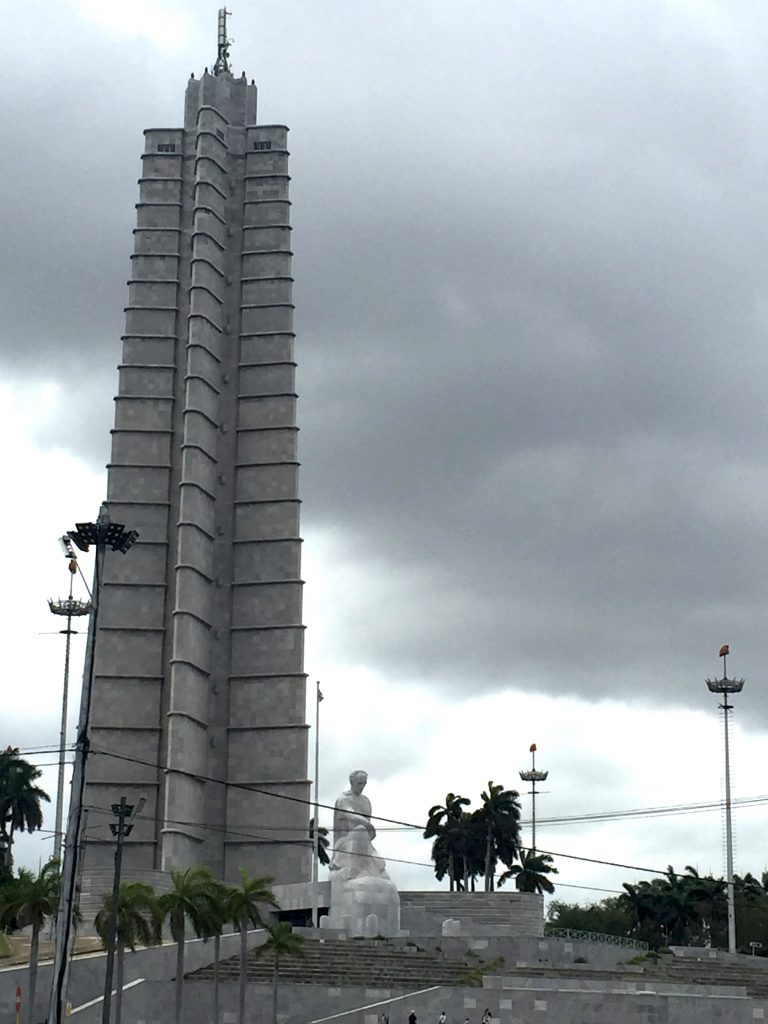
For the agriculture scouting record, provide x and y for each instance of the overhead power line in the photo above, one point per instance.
(666, 810)
(597, 816)
(311, 803)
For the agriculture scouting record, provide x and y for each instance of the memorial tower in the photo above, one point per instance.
(198, 697)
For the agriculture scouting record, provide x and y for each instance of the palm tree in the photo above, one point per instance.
(192, 898)
(137, 925)
(678, 906)
(322, 842)
(444, 823)
(710, 898)
(281, 942)
(499, 816)
(244, 907)
(747, 888)
(643, 902)
(29, 900)
(219, 896)
(530, 874)
(19, 799)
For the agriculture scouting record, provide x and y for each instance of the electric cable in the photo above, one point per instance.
(555, 821)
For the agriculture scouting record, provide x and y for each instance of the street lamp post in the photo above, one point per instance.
(726, 686)
(102, 534)
(70, 607)
(125, 814)
(533, 776)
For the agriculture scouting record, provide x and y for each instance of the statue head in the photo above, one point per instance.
(357, 781)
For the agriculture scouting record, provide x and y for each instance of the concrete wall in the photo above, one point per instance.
(480, 914)
(87, 977)
(521, 1001)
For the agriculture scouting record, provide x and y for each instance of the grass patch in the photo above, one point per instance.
(473, 976)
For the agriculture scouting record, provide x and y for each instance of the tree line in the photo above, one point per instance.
(196, 903)
(20, 803)
(675, 909)
(470, 844)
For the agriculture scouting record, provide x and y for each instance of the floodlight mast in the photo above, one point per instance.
(726, 686)
(102, 534)
(70, 607)
(533, 776)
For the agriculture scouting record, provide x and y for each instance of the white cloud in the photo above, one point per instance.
(52, 490)
(166, 27)
(606, 755)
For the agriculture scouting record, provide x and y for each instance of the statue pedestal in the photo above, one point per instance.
(365, 906)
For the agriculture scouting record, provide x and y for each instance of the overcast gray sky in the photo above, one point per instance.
(531, 245)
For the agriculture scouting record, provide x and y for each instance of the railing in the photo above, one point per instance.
(607, 940)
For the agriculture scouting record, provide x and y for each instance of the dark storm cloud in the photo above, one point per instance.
(531, 254)
(555, 440)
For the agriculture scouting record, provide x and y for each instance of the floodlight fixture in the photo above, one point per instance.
(110, 535)
(725, 685)
(66, 547)
(69, 606)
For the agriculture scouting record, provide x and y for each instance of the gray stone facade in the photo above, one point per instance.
(199, 658)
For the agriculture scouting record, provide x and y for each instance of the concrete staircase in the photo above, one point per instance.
(669, 970)
(363, 963)
(709, 972)
(98, 881)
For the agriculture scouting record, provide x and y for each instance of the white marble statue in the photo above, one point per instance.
(353, 834)
(363, 898)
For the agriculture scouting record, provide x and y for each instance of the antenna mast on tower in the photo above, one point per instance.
(221, 66)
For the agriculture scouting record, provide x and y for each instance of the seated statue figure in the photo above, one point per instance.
(363, 898)
(353, 832)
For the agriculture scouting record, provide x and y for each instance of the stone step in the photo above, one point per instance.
(352, 962)
(755, 982)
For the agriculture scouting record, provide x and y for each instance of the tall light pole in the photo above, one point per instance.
(726, 686)
(102, 534)
(316, 830)
(533, 776)
(70, 607)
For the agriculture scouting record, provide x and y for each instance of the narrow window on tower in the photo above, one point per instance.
(262, 145)
(166, 147)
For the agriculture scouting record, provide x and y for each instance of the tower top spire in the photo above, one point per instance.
(221, 66)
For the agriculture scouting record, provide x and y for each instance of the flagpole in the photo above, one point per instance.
(316, 831)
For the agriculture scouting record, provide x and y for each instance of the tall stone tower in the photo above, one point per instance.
(199, 684)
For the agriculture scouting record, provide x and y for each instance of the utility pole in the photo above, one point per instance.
(125, 813)
(102, 534)
(726, 686)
